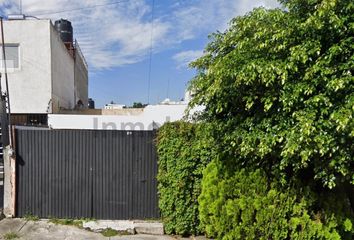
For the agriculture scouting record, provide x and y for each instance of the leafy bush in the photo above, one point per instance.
(244, 205)
(279, 87)
(183, 154)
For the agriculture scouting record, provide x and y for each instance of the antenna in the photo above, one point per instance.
(20, 7)
(168, 88)
(151, 48)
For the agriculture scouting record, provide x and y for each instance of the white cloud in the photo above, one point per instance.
(207, 16)
(184, 58)
(109, 36)
(120, 34)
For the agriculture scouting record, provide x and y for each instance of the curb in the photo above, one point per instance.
(127, 226)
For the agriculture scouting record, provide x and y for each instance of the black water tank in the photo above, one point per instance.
(91, 103)
(65, 30)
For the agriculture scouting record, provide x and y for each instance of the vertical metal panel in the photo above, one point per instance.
(145, 171)
(52, 177)
(86, 173)
(113, 176)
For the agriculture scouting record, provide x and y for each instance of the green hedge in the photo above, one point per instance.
(183, 154)
(243, 205)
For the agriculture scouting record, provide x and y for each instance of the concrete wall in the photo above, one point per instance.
(81, 78)
(153, 116)
(62, 68)
(9, 182)
(30, 84)
(45, 79)
(125, 111)
(86, 111)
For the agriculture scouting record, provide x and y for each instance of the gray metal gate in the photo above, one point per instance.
(100, 174)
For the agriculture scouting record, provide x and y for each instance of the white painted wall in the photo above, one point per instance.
(153, 116)
(30, 84)
(44, 81)
(63, 88)
(81, 79)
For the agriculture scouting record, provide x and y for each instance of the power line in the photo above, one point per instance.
(151, 48)
(80, 9)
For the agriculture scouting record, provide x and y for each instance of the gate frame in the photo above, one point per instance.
(154, 212)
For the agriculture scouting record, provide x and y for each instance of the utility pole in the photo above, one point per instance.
(7, 138)
(5, 111)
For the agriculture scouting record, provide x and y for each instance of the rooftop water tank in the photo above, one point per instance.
(65, 30)
(91, 103)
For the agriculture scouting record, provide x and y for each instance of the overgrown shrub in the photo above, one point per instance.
(244, 205)
(183, 154)
(279, 87)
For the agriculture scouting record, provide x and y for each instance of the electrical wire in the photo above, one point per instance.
(29, 16)
(151, 49)
(79, 9)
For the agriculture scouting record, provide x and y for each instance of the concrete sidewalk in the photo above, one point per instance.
(43, 229)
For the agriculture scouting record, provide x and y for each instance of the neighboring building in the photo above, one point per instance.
(47, 71)
(148, 118)
(187, 98)
(114, 106)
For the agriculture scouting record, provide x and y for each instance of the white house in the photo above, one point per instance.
(45, 74)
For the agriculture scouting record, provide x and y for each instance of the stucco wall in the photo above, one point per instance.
(153, 116)
(62, 68)
(81, 79)
(30, 85)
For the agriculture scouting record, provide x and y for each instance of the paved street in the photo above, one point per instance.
(42, 229)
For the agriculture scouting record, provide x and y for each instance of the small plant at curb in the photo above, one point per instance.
(10, 235)
(153, 220)
(70, 222)
(109, 232)
(65, 222)
(31, 217)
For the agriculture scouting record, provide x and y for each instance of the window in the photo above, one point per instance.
(12, 56)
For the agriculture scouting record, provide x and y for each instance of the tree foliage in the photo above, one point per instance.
(138, 105)
(278, 92)
(278, 88)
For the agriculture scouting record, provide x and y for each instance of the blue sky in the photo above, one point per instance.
(115, 37)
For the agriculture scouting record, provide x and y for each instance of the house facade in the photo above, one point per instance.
(45, 74)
